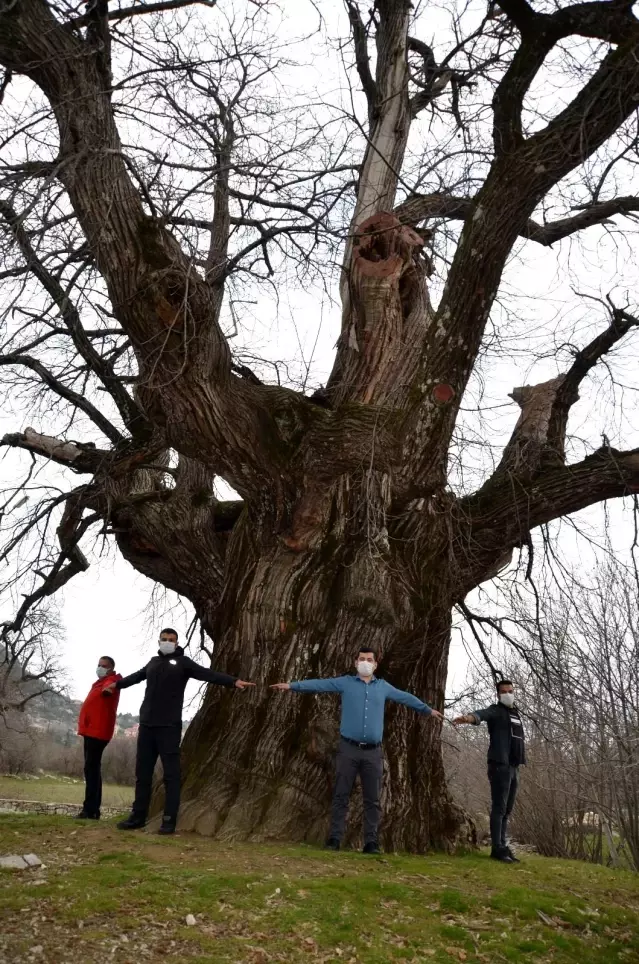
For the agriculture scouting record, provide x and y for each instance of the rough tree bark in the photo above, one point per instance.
(346, 532)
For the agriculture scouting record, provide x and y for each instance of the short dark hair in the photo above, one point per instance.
(367, 649)
(504, 682)
(109, 660)
(169, 630)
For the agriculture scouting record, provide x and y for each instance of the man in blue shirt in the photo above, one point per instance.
(360, 748)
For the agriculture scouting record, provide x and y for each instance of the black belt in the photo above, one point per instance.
(362, 746)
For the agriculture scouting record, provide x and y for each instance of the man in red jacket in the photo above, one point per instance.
(96, 724)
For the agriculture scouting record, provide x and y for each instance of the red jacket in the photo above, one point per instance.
(98, 712)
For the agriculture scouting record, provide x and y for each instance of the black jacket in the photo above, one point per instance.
(500, 728)
(166, 678)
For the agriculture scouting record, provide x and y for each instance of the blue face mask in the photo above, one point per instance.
(167, 647)
(101, 672)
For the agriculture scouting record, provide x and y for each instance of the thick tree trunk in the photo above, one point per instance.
(260, 766)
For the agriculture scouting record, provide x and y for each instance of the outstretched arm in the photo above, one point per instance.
(334, 685)
(125, 682)
(476, 717)
(195, 671)
(407, 699)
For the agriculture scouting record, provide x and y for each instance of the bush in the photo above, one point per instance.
(118, 762)
(26, 749)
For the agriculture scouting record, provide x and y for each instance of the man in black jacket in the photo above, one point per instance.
(506, 753)
(160, 730)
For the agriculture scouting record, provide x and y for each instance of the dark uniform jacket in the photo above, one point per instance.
(506, 734)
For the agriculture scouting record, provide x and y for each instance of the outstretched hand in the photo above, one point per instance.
(460, 719)
(280, 686)
(437, 714)
(107, 690)
(241, 684)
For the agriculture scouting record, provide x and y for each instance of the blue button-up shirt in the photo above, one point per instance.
(362, 704)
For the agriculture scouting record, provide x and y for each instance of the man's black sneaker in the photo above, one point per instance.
(131, 823)
(502, 855)
(371, 848)
(331, 844)
(83, 815)
(167, 825)
(512, 856)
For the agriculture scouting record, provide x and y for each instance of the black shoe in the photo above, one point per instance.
(331, 844)
(512, 856)
(167, 825)
(131, 823)
(502, 855)
(371, 848)
(83, 815)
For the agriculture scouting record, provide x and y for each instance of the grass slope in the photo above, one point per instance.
(55, 789)
(110, 896)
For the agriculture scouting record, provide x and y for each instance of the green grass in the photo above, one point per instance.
(55, 789)
(106, 895)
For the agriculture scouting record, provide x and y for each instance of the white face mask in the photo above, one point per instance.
(101, 672)
(167, 647)
(364, 668)
(508, 699)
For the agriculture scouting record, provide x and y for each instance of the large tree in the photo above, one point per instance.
(159, 160)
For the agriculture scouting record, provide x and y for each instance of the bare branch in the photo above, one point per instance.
(362, 59)
(131, 414)
(71, 560)
(518, 179)
(137, 10)
(540, 434)
(169, 312)
(73, 455)
(500, 516)
(19, 360)
(424, 207)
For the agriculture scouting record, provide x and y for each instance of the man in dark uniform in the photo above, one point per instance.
(160, 729)
(506, 753)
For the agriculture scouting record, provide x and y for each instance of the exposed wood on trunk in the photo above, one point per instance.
(390, 313)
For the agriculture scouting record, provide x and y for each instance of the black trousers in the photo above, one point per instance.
(504, 781)
(93, 750)
(369, 765)
(154, 742)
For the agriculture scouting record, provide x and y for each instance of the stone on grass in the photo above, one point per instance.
(190, 920)
(24, 862)
(14, 862)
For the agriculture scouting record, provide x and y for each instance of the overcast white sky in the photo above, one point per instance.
(106, 610)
